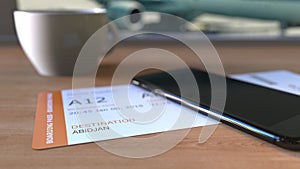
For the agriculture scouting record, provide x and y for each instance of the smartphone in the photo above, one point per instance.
(268, 114)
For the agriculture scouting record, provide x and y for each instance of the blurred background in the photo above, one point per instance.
(218, 27)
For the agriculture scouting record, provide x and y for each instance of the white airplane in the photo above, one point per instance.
(287, 12)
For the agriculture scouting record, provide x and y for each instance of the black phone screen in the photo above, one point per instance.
(273, 111)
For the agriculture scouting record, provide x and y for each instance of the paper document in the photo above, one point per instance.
(282, 80)
(71, 117)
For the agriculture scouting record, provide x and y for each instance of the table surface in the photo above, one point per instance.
(227, 147)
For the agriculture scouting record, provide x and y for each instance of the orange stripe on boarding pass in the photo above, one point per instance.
(49, 127)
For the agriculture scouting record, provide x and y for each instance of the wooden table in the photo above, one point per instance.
(227, 148)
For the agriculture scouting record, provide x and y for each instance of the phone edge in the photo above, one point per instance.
(283, 142)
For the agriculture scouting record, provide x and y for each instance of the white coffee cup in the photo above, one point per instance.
(52, 40)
